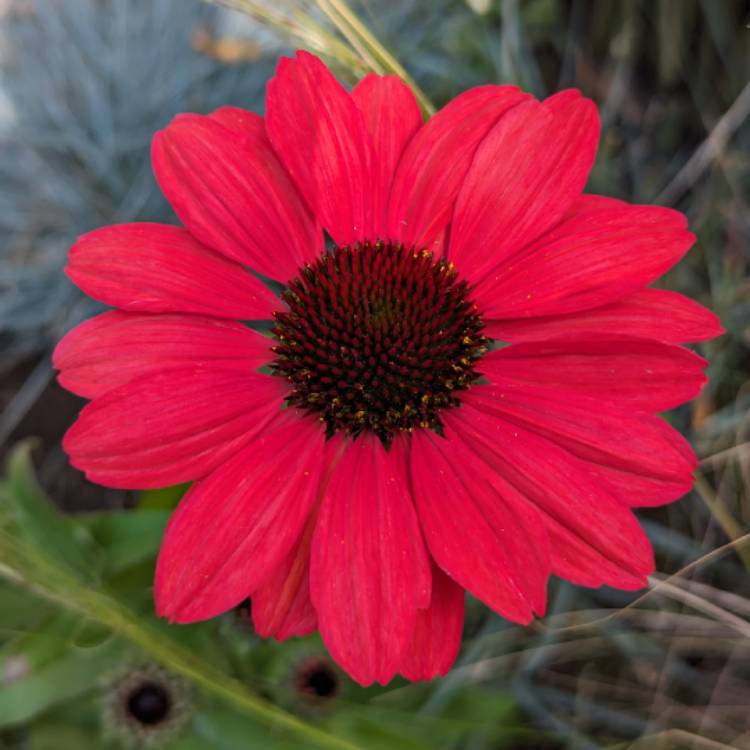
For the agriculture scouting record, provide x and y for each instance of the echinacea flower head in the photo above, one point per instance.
(144, 706)
(460, 389)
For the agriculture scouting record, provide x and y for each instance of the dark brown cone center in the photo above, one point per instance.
(377, 337)
(149, 703)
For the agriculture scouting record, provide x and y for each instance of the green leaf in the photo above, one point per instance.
(475, 706)
(58, 537)
(376, 734)
(133, 587)
(223, 729)
(61, 586)
(486, 715)
(32, 650)
(73, 673)
(164, 498)
(20, 609)
(90, 634)
(188, 742)
(127, 537)
(59, 736)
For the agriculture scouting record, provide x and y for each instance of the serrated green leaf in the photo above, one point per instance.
(56, 536)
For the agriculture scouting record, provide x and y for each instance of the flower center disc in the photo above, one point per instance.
(149, 704)
(317, 679)
(377, 337)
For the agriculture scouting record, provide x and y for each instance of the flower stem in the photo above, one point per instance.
(23, 565)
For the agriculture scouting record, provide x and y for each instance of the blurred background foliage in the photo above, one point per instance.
(83, 662)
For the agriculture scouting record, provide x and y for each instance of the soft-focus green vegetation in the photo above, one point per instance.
(88, 82)
(77, 613)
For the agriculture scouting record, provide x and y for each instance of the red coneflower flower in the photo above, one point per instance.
(379, 454)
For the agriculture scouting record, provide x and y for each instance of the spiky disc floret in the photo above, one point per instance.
(377, 337)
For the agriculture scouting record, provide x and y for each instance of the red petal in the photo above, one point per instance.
(575, 560)
(234, 527)
(586, 204)
(369, 570)
(634, 373)
(116, 347)
(281, 605)
(171, 427)
(637, 490)
(591, 259)
(392, 116)
(437, 635)
(321, 138)
(436, 160)
(232, 193)
(240, 121)
(594, 540)
(626, 440)
(649, 314)
(527, 172)
(480, 533)
(159, 268)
